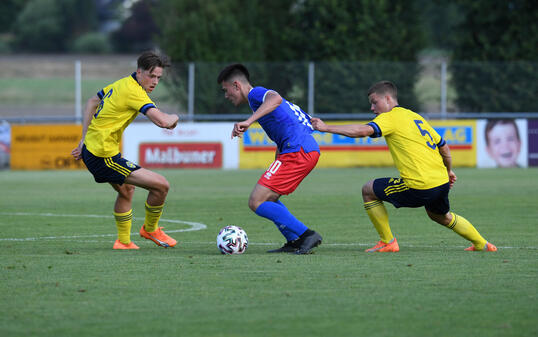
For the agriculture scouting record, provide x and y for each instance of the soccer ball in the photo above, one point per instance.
(232, 240)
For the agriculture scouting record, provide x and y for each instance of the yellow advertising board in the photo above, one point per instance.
(460, 135)
(39, 147)
(258, 151)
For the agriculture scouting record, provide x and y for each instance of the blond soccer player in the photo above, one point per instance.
(106, 116)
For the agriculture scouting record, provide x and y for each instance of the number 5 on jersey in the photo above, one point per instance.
(425, 133)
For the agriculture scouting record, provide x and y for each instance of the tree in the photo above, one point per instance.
(216, 33)
(439, 20)
(268, 35)
(138, 31)
(494, 62)
(9, 9)
(52, 25)
(357, 43)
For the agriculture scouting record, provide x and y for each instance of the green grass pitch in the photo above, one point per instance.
(60, 277)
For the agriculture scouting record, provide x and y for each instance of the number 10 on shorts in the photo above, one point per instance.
(272, 169)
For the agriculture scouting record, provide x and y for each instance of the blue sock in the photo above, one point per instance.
(286, 223)
(286, 231)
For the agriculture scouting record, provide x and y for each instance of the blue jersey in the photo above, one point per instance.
(288, 126)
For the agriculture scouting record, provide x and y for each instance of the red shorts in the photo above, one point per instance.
(288, 170)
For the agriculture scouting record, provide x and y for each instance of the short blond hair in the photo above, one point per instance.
(384, 88)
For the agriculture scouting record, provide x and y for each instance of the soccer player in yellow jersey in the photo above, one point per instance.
(423, 159)
(106, 116)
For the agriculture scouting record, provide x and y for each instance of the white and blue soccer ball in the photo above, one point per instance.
(232, 240)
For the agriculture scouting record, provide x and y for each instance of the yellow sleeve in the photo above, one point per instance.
(385, 124)
(140, 101)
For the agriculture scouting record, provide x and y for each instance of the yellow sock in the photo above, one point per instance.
(378, 215)
(153, 214)
(123, 223)
(465, 229)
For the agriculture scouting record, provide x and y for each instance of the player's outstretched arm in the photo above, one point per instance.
(89, 110)
(349, 130)
(161, 119)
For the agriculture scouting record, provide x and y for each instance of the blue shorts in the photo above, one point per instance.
(108, 170)
(395, 191)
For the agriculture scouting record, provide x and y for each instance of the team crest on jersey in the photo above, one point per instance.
(130, 165)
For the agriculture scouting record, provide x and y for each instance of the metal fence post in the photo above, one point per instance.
(443, 90)
(311, 88)
(78, 92)
(190, 104)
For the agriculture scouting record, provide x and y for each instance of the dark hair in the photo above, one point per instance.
(494, 122)
(383, 88)
(150, 59)
(231, 71)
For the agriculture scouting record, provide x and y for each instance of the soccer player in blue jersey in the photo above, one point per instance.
(106, 116)
(297, 154)
(423, 159)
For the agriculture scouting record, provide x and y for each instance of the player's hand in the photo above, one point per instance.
(239, 129)
(174, 123)
(452, 178)
(77, 152)
(318, 124)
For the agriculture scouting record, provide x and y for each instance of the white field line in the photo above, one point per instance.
(195, 226)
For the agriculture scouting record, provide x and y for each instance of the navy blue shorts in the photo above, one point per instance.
(395, 191)
(108, 170)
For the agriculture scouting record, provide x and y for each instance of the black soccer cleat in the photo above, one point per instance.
(289, 247)
(310, 240)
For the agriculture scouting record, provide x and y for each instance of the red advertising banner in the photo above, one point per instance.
(180, 155)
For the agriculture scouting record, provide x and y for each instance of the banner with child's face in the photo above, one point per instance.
(502, 143)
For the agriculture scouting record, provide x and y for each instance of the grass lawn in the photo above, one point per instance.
(60, 277)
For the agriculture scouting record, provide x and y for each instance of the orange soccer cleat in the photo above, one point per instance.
(119, 245)
(159, 237)
(383, 247)
(489, 247)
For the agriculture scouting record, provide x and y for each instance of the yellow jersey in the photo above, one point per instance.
(121, 102)
(413, 144)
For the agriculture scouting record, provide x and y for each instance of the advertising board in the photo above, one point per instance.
(258, 151)
(189, 145)
(44, 147)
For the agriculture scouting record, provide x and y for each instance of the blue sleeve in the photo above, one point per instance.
(377, 130)
(442, 142)
(101, 93)
(257, 95)
(146, 107)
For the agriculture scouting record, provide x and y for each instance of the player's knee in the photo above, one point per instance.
(368, 192)
(442, 219)
(159, 187)
(163, 186)
(127, 191)
(130, 189)
(253, 204)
